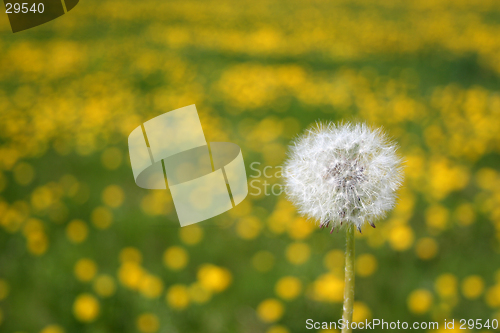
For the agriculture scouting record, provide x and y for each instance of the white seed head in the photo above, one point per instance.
(343, 174)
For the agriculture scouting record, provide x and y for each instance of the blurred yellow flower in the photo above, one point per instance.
(52, 329)
(101, 217)
(41, 198)
(446, 285)
(283, 213)
(150, 286)
(130, 254)
(85, 269)
(37, 243)
(486, 178)
(4, 289)
(104, 285)
(300, 228)
(175, 258)
(263, 261)
(298, 253)
(401, 237)
(366, 264)
(148, 323)
(288, 287)
(214, 278)
(420, 301)
(270, 310)
(156, 203)
(242, 209)
(436, 217)
(278, 329)
(191, 234)
(178, 296)
(446, 177)
(493, 296)
(472, 286)
(3, 182)
(130, 274)
(361, 312)
(86, 308)
(113, 196)
(32, 226)
(426, 248)
(77, 231)
(334, 261)
(14, 216)
(248, 227)
(328, 288)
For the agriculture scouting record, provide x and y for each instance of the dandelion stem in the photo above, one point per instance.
(349, 280)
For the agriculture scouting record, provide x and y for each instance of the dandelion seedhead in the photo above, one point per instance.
(343, 174)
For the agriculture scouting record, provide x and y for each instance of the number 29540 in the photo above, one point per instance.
(24, 8)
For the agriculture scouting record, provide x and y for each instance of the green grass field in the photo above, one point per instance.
(84, 249)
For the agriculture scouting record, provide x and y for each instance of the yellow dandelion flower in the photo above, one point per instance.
(472, 286)
(436, 217)
(446, 285)
(334, 261)
(270, 310)
(52, 329)
(86, 308)
(175, 258)
(288, 287)
(493, 296)
(191, 235)
(113, 196)
(420, 301)
(328, 288)
(77, 231)
(101, 217)
(248, 227)
(151, 286)
(148, 323)
(130, 274)
(361, 312)
(278, 329)
(300, 228)
(401, 237)
(214, 278)
(426, 248)
(104, 285)
(4, 289)
(37, 243)
(366, 264)
(130, 254)
(178, 297)
(298, 253)
(85, 269)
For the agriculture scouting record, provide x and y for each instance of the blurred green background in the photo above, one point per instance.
(83, 249)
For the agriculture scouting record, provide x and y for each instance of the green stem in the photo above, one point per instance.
(349, 279)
